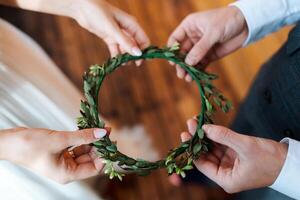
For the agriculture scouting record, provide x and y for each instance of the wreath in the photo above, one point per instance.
(179, 159)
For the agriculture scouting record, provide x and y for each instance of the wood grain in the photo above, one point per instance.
(151, 95)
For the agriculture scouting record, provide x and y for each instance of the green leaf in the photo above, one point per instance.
(188, 167)
(169, 54)
(208, 106)
(112, 148)
(144, 173)
(197, 148)
(175, 47)
(182, 174)
(200, 133)
(208, 90)
(86, 86)
(141, 164)
(120, 176)
(151, 51)
(205, 149)
(130, 161)
(217, 101)
(184, 145)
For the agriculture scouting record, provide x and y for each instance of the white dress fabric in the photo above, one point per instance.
(34, 93)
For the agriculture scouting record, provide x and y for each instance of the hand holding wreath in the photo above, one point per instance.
(178, 159)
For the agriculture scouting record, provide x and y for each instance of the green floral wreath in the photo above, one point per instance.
(179, 159)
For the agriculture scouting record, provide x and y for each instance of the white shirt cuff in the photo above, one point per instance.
(288, 181)
(261, 16)
(267, 16)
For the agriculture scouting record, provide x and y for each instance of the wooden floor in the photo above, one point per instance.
(150, 95)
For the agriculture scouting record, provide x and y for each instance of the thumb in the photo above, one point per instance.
(77, 138)
(200, 49)
(127, 43)
(225, 136)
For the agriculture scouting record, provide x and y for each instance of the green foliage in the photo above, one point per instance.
(179, 159)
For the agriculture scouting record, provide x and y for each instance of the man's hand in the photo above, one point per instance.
(208, 36)
(239, 162)
(119, 30)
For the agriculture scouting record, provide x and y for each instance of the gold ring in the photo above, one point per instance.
(69, 154)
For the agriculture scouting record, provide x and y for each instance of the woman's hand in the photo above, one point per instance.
(239, 162)
(46, 152)
(120, 31)
(210, 35)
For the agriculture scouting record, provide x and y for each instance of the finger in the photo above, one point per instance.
(86, 170)
(134, 29)
(192, 126)
(127, 43)
(225, 136)
(175, 180)
(137, 33)
(83, 159)
(113, 49)
(199, 50)
(83, 149)
(138, 62)
(188, 78)
(185, 136)
(93, 153)
(178, 36)
(186, 46)
(180, 72)
(86, 136)
(207, 167)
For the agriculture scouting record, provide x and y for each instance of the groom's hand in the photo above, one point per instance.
(239, 162)
(208, 36)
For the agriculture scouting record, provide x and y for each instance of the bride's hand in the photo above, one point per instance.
(120, 31)
(45, 152)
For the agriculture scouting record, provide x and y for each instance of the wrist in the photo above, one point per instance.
(238, 21)
(8, 144)
(77, 8)
(56, 7)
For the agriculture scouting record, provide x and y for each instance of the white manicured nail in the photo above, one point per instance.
(188, 78)
(99, 133)
(136, 51)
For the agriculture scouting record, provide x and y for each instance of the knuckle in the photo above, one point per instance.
(224, 132)
(189, 17)
(192, 58)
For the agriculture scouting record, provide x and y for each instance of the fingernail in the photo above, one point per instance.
(189, 62)
(180, 74)
(182, 137)
(136, 51)
(99, 133)
(138, 62)
(188, 78)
